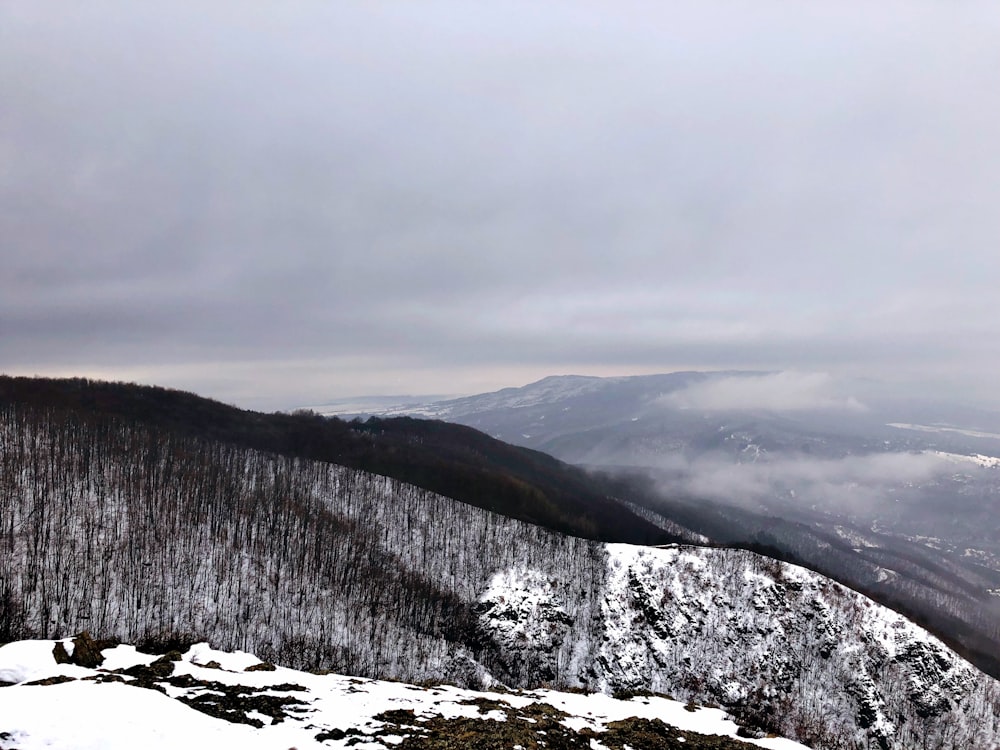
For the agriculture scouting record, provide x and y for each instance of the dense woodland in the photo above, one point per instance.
(152, 537)
(149, 536)
(449, 459)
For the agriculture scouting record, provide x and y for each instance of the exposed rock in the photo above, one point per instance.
(86, 652)
(525, 615)
(783, 649)
(262, 667)
(57, 680)
(162, 667)
(234, 702)
(105, 677)
(653, 734)
(60, 654)
(335, 734)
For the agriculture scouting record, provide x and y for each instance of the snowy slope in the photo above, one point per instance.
(206, 698)
(910, 485)
(144, 537)
(787, 649)
(556, 391)
(977, 459)
(550, 390)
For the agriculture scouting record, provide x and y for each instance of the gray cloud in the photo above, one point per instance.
(447, 197)
(858, 483)
(781, 391)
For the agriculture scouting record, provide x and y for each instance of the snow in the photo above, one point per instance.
(978, 459)
(123, 657)
(943, 428)
(117, 716)
(24, 661)
(112, 716)
(237, 661)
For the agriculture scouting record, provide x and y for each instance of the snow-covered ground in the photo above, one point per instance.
(85, 712)
(978, 459)
(943, 428)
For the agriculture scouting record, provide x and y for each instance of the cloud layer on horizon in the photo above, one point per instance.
(777, 392)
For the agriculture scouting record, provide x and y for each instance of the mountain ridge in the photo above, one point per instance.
(454, 460)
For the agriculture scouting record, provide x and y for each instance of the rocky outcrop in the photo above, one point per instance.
(86, 652)
(783, 648)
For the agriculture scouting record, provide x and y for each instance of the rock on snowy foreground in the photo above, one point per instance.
(208, 698)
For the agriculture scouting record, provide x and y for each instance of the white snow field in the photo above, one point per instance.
(85, 713)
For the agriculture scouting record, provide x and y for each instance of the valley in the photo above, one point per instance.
(886, 494)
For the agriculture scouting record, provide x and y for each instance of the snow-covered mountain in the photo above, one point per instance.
(635, 420)
(896, 497)
(205, 698)
(155, 539)
(552, 394)
(689, 620)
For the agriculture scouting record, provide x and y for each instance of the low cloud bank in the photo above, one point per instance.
(849, 483)
(782, 391)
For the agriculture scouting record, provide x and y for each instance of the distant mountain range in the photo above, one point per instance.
(624, 420)
(895, 497)
(143, 516)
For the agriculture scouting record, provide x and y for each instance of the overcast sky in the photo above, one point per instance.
(282, 203)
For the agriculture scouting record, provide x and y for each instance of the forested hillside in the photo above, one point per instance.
(870, 493)
(451, 460)
(152, 537)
